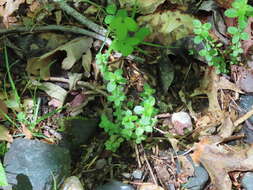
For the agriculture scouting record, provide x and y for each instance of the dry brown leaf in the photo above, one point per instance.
(28, 134)
(7, 7)
(220, 160)
(4, 134)
(40, 66)
(210, 85)
(3, 109)
(150, 186)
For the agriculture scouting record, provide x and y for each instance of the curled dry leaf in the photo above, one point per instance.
(219, 160)
(4, 134)
(7, 7)
(40, 66)
(3, 109)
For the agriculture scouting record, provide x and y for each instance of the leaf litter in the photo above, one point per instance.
(67, 76)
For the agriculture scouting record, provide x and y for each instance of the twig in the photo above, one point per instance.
(80, 83)
(70, 29)
(82, 19)
(137, 156)
(149, 167)
(243, 118)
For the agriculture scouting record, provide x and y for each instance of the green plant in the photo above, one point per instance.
(211, 50)
(3, 179)
(15, 104)
(242, 11)
(127, 33)
(130, 120)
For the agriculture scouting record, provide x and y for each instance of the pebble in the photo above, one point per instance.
(115, 185)
(72, 183)
(247, 181)
(137, 174)
(181, 121)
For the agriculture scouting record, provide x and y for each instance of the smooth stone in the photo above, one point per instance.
(115, 185)
(72, 183)
(137, 174)
(247, 181)
(246, 103)
(198, 181)
(31, 164)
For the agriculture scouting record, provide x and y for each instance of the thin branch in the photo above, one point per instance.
(82, 19)
(70, 29)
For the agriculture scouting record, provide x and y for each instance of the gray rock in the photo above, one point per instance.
(31, 164)
(247, 181)
(115, 185)
(137, 174)
(246, 103)
(198, 181)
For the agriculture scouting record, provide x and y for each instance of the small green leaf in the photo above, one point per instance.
(197, 31)
(232, 30)
(231, 13)
(122, 13)
(197, 23)
(142, 33)
(108, 19)
(207, 26)
(197, 39)
(131, 24)
(138, 109)
(235, 39)
(244, 36)
(111, 86)
(111, 9)
(3, 179)
(202, 52)
(139, 131)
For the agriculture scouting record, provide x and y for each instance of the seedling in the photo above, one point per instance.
(210, 51)
(242, 11)
(127, 34)
(130, 121)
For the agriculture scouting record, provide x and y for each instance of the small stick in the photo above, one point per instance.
(69, 29)
(137, 155)
(82, 19)
(79, 83)
(243, 118)
(149, 167)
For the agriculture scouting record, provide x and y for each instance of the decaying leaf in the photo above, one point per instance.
(3, 108)
(54, 91)
(4, 134)
(144, 6)
(219, 160)
(74, 49)
(73, 79)
(7, 7)
(86, 63)
(210, 85)
(167, 27)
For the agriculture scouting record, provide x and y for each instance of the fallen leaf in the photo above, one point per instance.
(167, 27)
(7, 7)
(28, 134)
(219, 160)
(74, 49)
(54, 91)
(86, 63)
(144, 6)
(73, 79)
(4, 134)
(3, 108)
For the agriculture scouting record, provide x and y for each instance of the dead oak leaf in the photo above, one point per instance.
(219, 160)
(7, 7)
